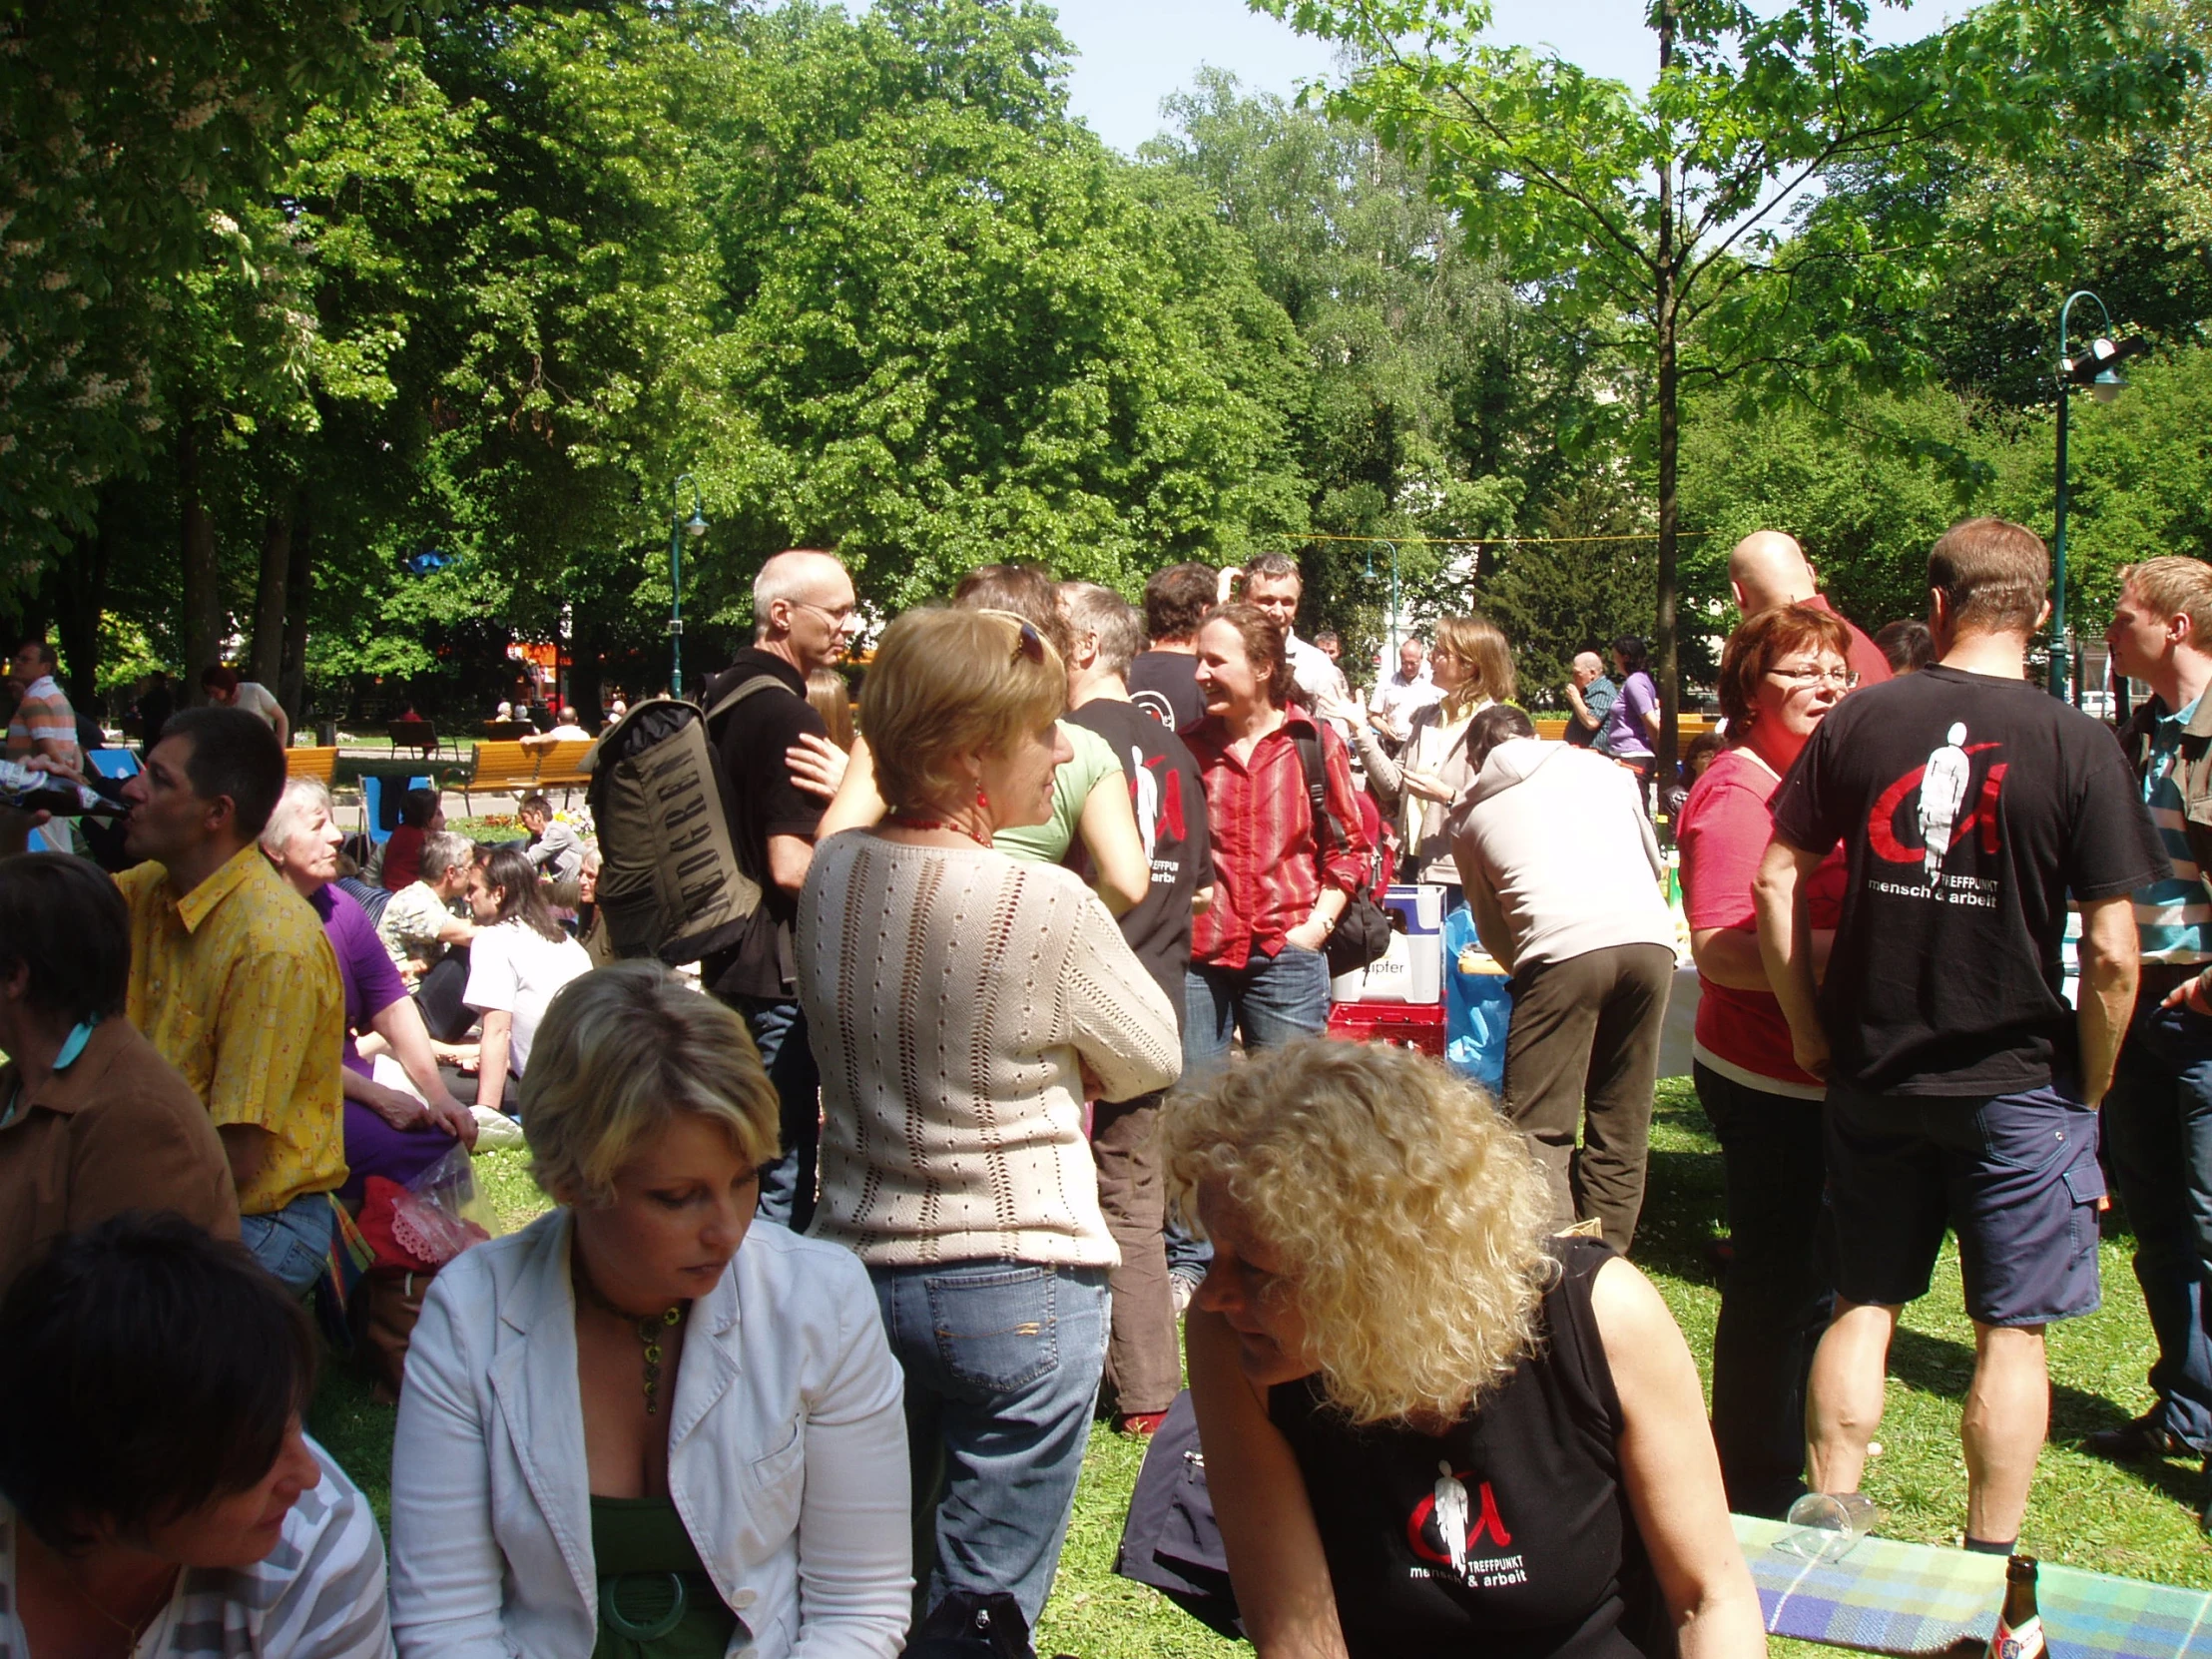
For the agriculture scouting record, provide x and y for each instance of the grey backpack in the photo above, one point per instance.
(670, 883)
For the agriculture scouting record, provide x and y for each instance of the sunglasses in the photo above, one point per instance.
(1028, 643)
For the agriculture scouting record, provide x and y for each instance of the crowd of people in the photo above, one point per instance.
(1014, 1062)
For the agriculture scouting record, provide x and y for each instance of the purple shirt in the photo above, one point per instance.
(1624, 732)
(371, 983)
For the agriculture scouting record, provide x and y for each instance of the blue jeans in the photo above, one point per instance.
(1002, 1362)
(292, 1243)
(779, 1033)
(1272, 999)
(2158, 1127)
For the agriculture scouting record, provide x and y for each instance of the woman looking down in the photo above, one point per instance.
(643, 1427)
(1428, 1429)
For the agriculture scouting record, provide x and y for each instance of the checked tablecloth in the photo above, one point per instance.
(1886, 1596)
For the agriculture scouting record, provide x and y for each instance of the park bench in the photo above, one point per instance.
(561, 767)
(419, 734)
(320, 764)
(500, 769)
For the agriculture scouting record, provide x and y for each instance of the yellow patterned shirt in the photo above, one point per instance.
(236, 985)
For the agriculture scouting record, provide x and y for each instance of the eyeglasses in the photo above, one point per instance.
(1842, 678)
(837, 618)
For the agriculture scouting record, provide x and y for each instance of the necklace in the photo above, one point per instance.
(131, 1631)
(649, 1327)
(905, 821)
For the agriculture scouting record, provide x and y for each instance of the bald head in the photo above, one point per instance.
(799, 575)
(803, 608)
(1767, 568)
(1588, 665)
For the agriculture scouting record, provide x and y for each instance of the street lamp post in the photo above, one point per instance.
(2099, 368)
(1391, 652)
(678, 528)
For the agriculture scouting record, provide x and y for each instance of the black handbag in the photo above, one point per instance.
(1171, 1540)
(1362, 935)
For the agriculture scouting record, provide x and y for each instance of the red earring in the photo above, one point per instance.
(982, 800)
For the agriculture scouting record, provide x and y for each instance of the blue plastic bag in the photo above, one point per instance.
(1477, 1009)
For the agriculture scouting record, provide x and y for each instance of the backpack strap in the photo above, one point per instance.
(1328, 832)
(737, 694)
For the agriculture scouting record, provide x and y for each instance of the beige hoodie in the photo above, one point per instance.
(1556, 856)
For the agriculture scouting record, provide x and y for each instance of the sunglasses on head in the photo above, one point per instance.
(1028, 643)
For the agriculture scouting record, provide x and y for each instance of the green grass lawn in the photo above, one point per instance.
(2084, 1512)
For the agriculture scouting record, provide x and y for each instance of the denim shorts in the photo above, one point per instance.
(2015, 1175)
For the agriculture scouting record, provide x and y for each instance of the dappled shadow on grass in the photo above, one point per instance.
(1939, 1365)
(1683, 1191)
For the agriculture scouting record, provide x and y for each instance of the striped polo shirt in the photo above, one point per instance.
(2173, 917)
(319, 1594)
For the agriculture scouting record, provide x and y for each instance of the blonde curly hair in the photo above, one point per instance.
(1410, 1217)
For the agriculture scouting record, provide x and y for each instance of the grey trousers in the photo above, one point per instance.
(1581, 1055)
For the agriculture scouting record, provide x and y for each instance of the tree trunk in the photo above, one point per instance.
(1665, 644)
(298, 593)
(80, 586)
(203, 579)
(267, 657)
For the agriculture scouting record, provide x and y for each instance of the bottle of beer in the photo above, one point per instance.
(2019, 1633)
(30, 791)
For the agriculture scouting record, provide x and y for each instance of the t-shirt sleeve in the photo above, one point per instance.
(785, 809)
(1722, 845)
(492, 976)
(1807, 811)
(2114, 847)
(367, 965)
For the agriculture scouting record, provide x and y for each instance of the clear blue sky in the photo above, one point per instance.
(1133, 53)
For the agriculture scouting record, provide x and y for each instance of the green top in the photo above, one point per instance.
(1049, 843)
(655, 1598)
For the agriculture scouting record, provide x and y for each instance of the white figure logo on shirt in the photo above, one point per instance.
(1146, 789)
(1943, 792)
(1451, 1519)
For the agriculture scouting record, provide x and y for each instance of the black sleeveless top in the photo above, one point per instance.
(1509, 1537)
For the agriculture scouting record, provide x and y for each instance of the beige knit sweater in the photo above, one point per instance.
(952, 997)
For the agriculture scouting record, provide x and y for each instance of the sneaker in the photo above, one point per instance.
(2141, 1440)
(1182, 1287)
(1139, 1426)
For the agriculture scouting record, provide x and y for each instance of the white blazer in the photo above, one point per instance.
(787, 1457)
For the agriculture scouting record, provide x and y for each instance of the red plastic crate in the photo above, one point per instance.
(1410, 1024)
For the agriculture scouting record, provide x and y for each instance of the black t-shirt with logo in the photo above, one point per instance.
(1511, 1535)
(1970, 807)
(1163, 684)
(1170, 800)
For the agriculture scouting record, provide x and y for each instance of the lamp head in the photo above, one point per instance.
(695, 526)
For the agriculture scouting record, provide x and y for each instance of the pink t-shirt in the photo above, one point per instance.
(1723, 833)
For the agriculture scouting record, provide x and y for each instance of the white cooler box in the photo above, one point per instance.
(1413, 970)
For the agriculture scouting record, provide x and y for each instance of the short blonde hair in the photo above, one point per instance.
(945, 680)
(2176, 585)
(1410, 1217)
(621, 1051)
(1480, 644)
(297, 804)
